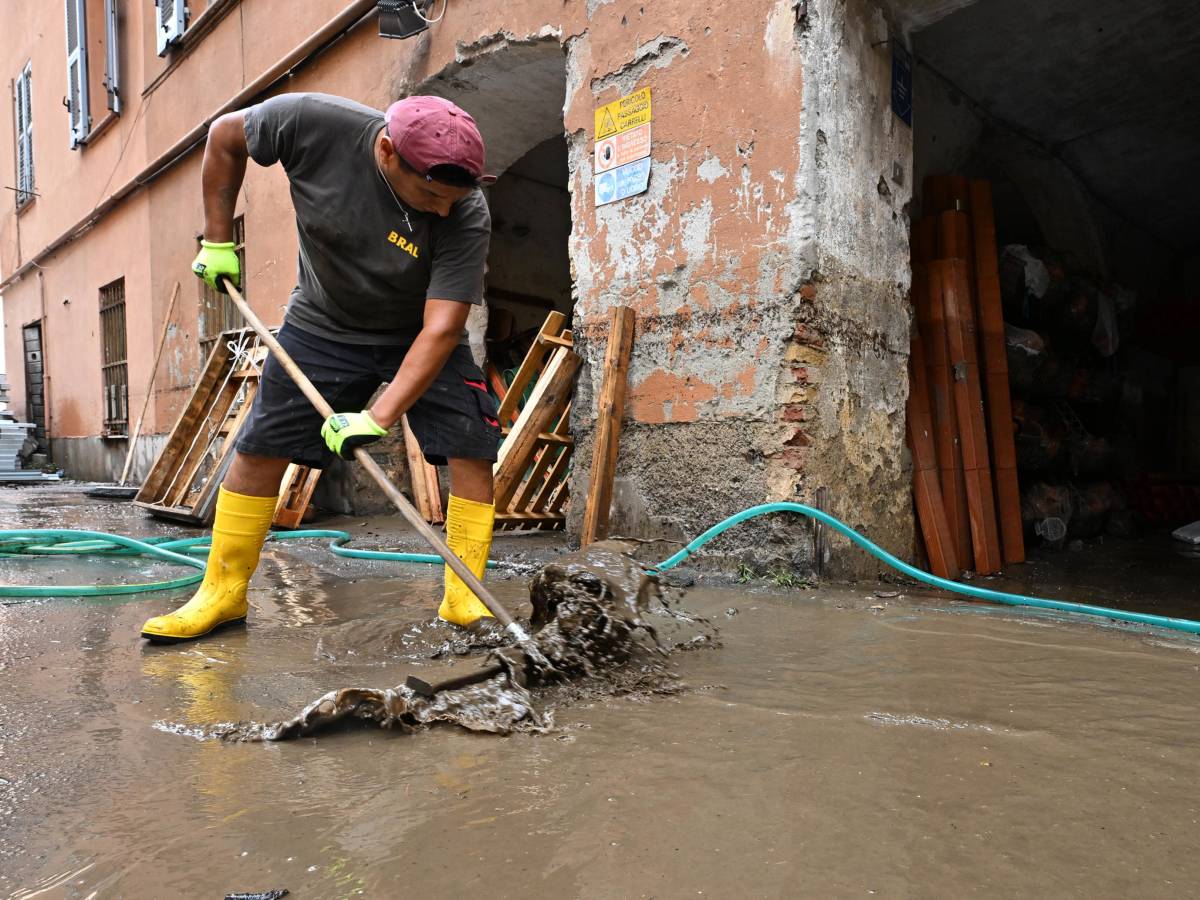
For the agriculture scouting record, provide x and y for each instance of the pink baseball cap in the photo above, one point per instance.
(431, 131)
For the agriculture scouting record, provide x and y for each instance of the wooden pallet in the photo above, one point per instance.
(299, 482)
(531, 470)
(182, 484)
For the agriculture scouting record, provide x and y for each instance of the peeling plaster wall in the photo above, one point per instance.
(706, 257)
(847, 355)
(768, 267)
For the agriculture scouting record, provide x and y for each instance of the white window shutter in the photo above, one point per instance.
(77, 81)
(24, 136)
(22, 162)
(171, 17)
(112, 59)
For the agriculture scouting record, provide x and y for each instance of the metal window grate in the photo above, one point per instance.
(217, 311)
(113, 358)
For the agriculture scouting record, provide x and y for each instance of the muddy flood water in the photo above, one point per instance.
(843, 741)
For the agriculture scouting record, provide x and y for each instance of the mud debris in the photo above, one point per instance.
(591, 620)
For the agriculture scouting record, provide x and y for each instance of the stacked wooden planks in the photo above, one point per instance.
(960, 426)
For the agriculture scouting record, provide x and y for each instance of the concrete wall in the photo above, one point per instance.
(767, 261)
(842, 415)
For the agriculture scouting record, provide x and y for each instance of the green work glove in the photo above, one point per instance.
(215, 260)
(344, 432)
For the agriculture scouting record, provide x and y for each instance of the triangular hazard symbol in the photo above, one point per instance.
(607, 125)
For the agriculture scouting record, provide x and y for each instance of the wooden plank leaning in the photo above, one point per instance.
(968, 398)
(945, 416)
(162, 340)
(427, 493)
(931, 511)
(609, 413)
(995, 373)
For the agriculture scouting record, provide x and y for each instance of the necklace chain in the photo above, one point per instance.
(399, 205)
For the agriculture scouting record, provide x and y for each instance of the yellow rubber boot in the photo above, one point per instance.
(469, 534)
(239, 529)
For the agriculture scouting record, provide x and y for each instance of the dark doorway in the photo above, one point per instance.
(529, 270)
(35, 383)
(1088, 149)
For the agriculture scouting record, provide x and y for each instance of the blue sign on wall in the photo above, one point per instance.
(623, 181)
(901, 82)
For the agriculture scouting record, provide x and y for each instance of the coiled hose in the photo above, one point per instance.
(60, 541)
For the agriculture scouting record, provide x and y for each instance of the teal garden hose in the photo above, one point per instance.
(63, 542)
(59, 541)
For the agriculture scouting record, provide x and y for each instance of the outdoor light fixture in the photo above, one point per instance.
(403, 18)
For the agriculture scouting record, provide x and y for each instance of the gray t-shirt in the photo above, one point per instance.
(368, 262)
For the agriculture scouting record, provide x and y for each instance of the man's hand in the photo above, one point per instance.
(217, 259)
(344, 432)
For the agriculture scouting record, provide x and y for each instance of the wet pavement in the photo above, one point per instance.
(845, 741)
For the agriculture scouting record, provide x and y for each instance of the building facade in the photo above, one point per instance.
(767, 261)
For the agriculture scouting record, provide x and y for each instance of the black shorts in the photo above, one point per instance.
(454, 419)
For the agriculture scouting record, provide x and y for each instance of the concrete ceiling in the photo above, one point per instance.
(1109, 86)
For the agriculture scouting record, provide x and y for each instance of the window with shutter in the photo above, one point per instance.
(172, 19)
(24, 121)
(77, 83)
(112, 73)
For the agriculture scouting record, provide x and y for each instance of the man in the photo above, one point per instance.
(393, 233)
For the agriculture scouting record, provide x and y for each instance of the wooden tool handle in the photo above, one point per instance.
(406, 509)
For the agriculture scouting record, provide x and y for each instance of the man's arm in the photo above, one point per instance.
(225, 155)
(221, 177)
(440, 333)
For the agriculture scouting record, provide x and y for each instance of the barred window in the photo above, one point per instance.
(217, 311)
(113, 358)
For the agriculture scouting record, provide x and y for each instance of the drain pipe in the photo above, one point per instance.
(340, 24)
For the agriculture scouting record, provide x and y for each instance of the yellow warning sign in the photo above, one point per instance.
(630, 111)
(605, 125)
